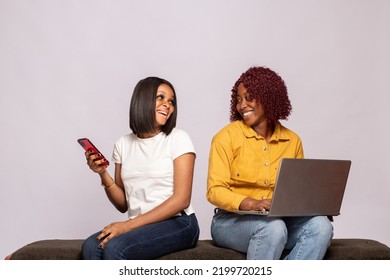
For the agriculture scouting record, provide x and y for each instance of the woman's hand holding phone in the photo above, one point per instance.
(95, 160)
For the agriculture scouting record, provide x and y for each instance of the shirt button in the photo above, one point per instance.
(264, 148)
(266, 182)
(266, 164)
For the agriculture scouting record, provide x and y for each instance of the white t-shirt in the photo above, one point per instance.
(147, 168)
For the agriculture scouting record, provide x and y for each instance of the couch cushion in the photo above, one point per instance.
(357, 249)
(205, 250)
(340, 249)
(53, 249)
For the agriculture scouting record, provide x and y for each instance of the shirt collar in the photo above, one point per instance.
(279, 133)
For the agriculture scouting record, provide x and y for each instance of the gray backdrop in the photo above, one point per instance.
(68, 68)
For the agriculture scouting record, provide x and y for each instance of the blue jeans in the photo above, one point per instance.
(148, 242)
(265, 238)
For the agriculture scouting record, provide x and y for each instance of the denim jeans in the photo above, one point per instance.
(147, 242)
(265, 238)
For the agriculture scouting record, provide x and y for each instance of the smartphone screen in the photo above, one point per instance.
(88, 146)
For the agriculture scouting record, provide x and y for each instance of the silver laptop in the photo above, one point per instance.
(308, 187)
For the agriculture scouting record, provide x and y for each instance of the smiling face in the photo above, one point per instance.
(251, 111)
(165, 104)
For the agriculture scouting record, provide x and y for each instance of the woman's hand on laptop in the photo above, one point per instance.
(255, 204)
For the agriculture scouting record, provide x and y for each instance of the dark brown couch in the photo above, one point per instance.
(340, 249)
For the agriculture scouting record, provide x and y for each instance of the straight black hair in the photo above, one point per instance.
(142, 113)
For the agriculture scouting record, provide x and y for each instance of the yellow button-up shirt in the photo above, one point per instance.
(242, 164)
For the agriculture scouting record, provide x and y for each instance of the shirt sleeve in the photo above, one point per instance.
(300, 153)
(219, 175)
(181, 144)
(117, 152)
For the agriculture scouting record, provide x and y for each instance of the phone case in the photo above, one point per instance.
(87, 145)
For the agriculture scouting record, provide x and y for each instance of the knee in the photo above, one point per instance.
(275, 231)
(112, 251)
(322, 228)
(89, 248)
(279, 229)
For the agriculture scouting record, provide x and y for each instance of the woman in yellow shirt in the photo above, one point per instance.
(243, 162)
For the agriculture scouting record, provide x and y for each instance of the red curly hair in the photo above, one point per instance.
(267, 87)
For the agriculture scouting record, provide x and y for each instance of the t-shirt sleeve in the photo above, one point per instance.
(117, 152)
(181, 144)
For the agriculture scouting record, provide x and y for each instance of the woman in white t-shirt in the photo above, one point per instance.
(154, 168)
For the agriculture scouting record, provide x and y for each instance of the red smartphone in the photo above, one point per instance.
(88, 146)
